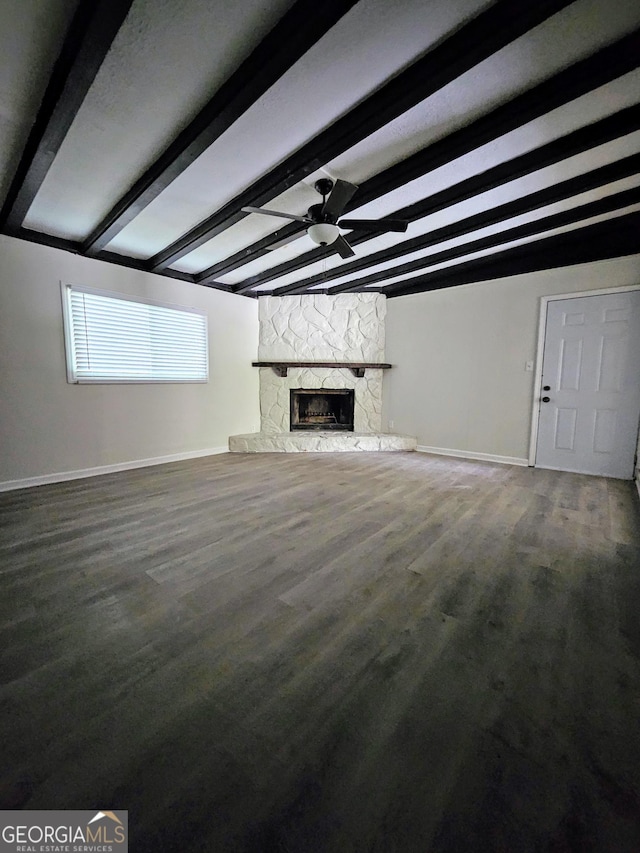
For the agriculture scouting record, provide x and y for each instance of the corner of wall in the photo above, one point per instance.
(49, 426)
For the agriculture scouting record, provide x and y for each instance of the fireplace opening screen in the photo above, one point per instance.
(322, 409)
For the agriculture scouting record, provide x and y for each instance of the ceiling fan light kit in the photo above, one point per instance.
(323, 233)
(322, 219)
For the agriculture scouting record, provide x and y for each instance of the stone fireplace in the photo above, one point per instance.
(325, 345)
(342, 328)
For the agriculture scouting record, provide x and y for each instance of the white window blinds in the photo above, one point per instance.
(110, 338)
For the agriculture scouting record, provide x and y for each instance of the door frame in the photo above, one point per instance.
(542, 332)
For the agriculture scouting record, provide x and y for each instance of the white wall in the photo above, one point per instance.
(459, 354)
(48, 426)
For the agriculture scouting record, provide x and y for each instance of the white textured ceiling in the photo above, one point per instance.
(169, 58)
(31, 32)
(164, 64)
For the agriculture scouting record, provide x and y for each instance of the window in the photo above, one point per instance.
(112, 338)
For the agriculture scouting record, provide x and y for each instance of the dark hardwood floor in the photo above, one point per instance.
(327, 652)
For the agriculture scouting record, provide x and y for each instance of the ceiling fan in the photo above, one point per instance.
(322, 219)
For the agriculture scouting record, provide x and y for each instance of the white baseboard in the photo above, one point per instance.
(469, 454)
(62, 476)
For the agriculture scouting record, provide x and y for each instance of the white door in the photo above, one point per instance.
(590, 389)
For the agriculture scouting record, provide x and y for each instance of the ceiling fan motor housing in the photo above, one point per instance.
(315, 213)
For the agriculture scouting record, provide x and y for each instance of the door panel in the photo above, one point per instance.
(604, 430)
(573, 320)
(565, 435)
(591, 363)
(611, 364)
(570, 365)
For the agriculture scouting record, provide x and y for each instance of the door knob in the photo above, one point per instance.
(546, 399)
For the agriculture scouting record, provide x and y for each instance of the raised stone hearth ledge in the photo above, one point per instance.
(317, 441)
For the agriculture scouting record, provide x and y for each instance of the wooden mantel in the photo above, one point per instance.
(358, 368)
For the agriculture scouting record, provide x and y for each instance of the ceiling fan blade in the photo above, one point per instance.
(340, 194)
(342, 247)
(374, 224)
(275, 213)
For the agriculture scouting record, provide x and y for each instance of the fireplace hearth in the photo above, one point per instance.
(322, 409)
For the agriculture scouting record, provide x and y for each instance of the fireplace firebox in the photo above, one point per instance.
(322, 408)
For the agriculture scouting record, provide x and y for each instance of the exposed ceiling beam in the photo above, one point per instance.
(284, 235)
(298, 30)
(561, 191)
(488, 32)
(606, 65)
(580, 213)
(613, 238)
(109, 257)
(90, 35)
(619, 124)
